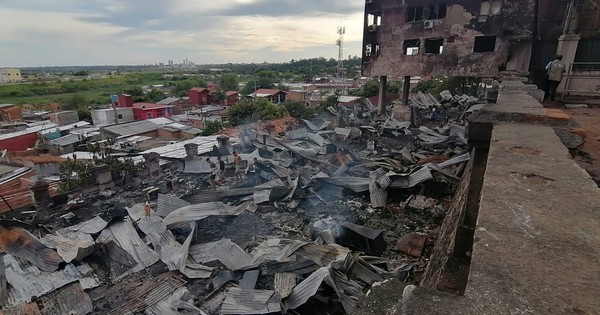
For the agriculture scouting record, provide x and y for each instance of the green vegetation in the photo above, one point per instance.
(95, 91)
(248, 112)
(74, 175)
(211, 128)
(229, 82)
(456, 85)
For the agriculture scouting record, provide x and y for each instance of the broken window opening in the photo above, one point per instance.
(490, 7)
(434, 46)
(437, 11)
(373, 19)
(411, 47)
(414, 14)
(484, 44)
(372, 50)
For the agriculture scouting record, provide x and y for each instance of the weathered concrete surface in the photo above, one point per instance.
(537, 244)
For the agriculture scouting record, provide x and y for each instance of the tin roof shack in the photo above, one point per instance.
(135, 128)
(66, 117)
(10, 113)
(435, 38)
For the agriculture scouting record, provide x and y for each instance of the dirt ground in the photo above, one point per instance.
(588, 156)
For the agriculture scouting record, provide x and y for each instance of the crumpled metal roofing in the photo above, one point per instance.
(154, 294)
(69, 300)
(20, 243)
(183, 216)
(27, 280)
(240, 301)
(177, 150)
(69, 249)
(167, 204)
(125, 235)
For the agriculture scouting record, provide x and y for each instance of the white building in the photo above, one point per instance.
(106, 116)
(10, 75)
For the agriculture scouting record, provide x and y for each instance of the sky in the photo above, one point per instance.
(132, 32)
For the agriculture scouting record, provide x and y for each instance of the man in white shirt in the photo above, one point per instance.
(555, 70)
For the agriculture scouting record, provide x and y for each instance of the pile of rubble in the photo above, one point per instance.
(322, 213)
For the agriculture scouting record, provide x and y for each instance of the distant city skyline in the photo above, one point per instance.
(119, 32)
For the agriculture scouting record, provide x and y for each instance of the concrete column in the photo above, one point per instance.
(567, 47)
(152, 160)
(406, 90)
(103, 176)
(41, 195)
(382, 94)
(191, 151)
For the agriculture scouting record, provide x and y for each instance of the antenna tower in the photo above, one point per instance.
(340, 43)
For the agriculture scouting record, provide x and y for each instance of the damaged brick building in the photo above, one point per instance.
(430, 38)
(475, 38)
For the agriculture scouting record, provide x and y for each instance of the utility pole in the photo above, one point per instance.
(340, 43)
(112, 102)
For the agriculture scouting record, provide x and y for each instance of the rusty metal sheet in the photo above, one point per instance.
(69, 249)
(22, 244)
(71, 300)
(240, 301)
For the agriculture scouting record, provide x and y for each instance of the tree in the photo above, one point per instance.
(283, 87)
(298, 110)
(219, 96)
(156, 95)
(241, 113)
(211, 127)
(248, 112)
(182, 87)
(75, 101)
(229, 82)
(137, 94)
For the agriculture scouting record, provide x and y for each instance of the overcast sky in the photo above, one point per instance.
(102, 32)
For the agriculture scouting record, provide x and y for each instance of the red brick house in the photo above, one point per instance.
(10, 113)
(143, 111)
(273, 95)
(233, 97)
(200, 96)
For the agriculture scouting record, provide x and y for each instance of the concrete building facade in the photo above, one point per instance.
(106, 116)
(436, 38)
(10, 75)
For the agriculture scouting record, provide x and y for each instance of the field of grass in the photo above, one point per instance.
(96, 91)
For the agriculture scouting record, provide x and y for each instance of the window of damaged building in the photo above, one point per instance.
(411, 47)
(431, 12)
(434, 46)
(484, 44)
(374, 19)
(489, 8)
(372, 50)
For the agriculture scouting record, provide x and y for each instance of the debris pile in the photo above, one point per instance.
(303, 221)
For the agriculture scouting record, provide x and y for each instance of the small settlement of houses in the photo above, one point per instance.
(165, 221)
(138, 213)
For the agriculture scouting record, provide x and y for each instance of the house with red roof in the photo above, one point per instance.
(143, 111)
(200, 96)
(273, 95)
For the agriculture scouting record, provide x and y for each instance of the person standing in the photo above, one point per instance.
(555, 70)
(221, 168)
(237, 162)
(213, 174)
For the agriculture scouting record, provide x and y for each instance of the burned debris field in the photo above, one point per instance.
(310, 216)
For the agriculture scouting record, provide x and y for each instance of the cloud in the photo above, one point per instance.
(150, 31)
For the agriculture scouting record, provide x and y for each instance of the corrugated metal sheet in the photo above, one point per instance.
(177, 150)
(177, 303)
(315, 126)
(306, 289)
(69, 249)
(284, 284)
(167, 204)
(154, 294)
(131, 128)
(323, 255)
(65, 127)
(20, 243)
(125, 235)
(231, 255)
(186, 215)
(202, 253)
(38, 128)
(240, 301)
(66, 140)
(3, 287)
(27, 280)
(92, 226)
(70, 300)
(173, 254)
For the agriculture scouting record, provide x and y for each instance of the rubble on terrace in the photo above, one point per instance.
(324, 210)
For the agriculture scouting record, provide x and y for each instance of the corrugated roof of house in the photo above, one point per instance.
(169, 100)
(131, 128)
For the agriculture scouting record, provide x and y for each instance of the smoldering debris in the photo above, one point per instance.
(313, 216)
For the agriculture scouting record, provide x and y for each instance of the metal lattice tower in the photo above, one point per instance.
(340, 43)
